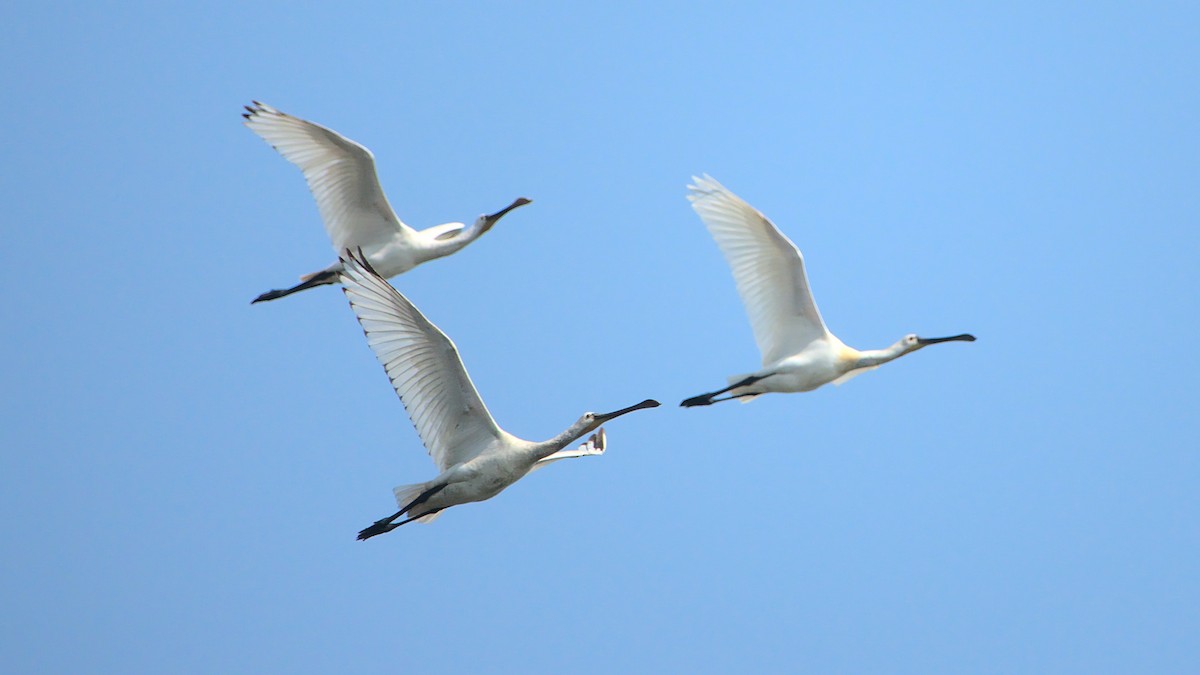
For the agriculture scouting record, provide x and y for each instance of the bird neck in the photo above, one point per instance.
(553, 445)
(875, 357)
(444, 247)
(470, 233)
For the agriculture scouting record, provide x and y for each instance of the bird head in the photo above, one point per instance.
(591, 420)
(912, 342)
(487, 220)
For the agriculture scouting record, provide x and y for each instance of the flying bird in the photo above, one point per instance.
(341, 175)
(477, 459)
(798, 351)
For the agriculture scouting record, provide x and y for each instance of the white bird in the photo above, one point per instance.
(341, 175)
(798, 351)
(477, 458)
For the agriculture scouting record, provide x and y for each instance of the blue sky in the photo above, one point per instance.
(183, 474)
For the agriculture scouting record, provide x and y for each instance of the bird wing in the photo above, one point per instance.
(767, 268)
(340, 174)
(595, 445)
(442, 232)
(423, 365)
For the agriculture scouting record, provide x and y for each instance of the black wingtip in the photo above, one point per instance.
(359, 258)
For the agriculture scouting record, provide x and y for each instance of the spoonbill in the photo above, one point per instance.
(798, 351)
(477, 458)
(341, 175)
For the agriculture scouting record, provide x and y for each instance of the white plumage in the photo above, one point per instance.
(477, 459)
(341, 175)
(798, 351)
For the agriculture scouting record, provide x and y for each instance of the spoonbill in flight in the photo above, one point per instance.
(798, 351)
(341, 176)
(477, 458)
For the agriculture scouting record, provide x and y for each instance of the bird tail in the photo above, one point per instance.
(740, 393)
(405, 494)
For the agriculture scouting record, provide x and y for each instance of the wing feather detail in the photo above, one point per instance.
(767, 267)
(340, 173)
(423, 365)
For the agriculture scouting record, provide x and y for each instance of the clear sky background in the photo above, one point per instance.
(183, 474)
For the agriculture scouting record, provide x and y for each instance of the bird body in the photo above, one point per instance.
(798, 352)
(498, 465)
(356, 213)
(476, 458)
(820, 363)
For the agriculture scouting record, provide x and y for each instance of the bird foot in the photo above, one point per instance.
(270, 295)
(703, 399)
(378, 527)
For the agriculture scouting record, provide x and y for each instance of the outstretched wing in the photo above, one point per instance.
(767, 268)
(340, 174)
(594, 445)
(423, 365)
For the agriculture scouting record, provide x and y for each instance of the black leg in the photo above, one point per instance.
(320, 279)
(702, 399)
(707, 399)
(384, 525)
(380, 526)
(729, 398)
(421, 499)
